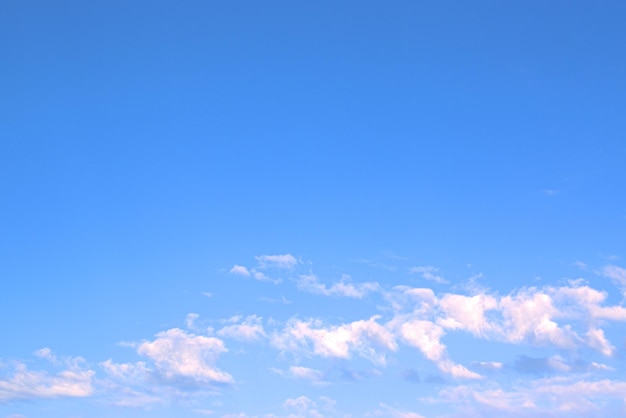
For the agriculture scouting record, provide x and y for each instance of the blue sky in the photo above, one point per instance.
(290, 209)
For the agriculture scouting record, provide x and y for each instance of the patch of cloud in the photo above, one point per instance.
(597, 340)
(554, 396)
(190, 320)
(303, 407)
(46, 353)
(75, 380)
(426, 336)
(248, 329)
(240, 270)
(306, 373)
(615, 273)
(367, 338)
(580, 265)
(284, 261)
(345, 287)
(488, 365)
(528, 315)
(180, 356)
(388, 411)
(468, 313)
(126, 372)
(429, 273)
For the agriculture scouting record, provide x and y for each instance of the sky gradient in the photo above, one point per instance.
(290, 209)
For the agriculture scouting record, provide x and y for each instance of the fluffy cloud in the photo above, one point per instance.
(426, 336)
(73, 381)
(366, 337)
(528, 315)
(467, 313)
(178, 354)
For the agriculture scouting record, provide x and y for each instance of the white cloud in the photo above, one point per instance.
(367, 338)
(240, 270)
(597, 340)
(467, 313)
(581, 301)
(529, 315)
(426, 336)
(250, 329)
(344, 287)
(429, 273)
(178, 354)
(457, 370)
(284, 261)
(24, 384)
(46, 353)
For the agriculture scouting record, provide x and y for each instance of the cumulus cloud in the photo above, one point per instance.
(530, 315)
(284, 261)
(367, 338)
(248, 329)
(180, 355)
(345, 287)
(75, 380)
(468, 313)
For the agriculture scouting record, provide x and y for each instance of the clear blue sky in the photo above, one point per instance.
(312, 209)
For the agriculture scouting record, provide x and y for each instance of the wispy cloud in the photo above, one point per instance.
(240, 270)
(248, 329)
(615, 273)
(345, 287)
(284, 261)
(429, 273)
